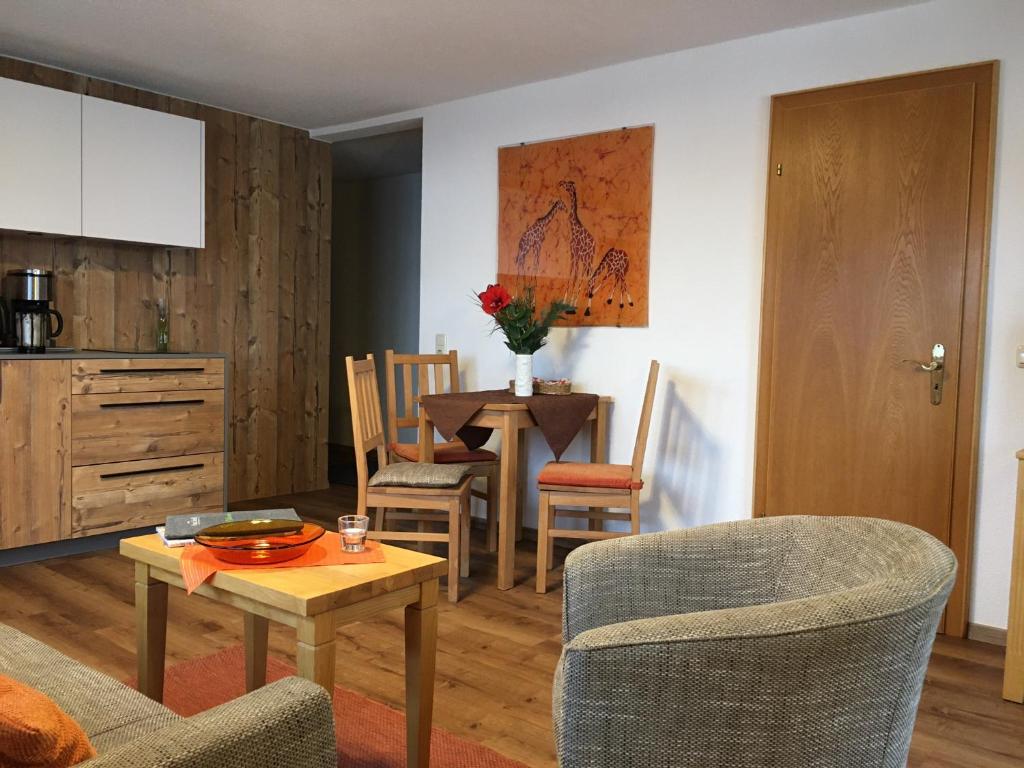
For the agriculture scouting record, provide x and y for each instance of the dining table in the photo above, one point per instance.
(512, 419)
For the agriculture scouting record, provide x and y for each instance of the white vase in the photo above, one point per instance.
(524, 375)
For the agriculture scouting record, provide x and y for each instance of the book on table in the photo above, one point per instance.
(181, 527)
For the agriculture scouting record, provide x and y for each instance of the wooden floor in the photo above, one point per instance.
(496, 652)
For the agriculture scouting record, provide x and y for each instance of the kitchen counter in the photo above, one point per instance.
(98, 442)
(98, 354)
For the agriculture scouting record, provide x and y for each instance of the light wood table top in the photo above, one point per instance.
(302, 591)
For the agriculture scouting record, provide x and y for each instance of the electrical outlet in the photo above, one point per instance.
(440, 343)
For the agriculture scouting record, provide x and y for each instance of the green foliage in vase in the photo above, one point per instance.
(516, 317)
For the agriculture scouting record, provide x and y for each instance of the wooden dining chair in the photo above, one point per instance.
(434, 493)
(426, 374)
(597, 487)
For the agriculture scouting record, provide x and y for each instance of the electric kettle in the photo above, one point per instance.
(31, 317)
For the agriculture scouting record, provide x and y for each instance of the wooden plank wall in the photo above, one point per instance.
(259, 291)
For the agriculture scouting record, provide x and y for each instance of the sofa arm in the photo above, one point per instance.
(287, 724)
(660, 574)
(793, 684)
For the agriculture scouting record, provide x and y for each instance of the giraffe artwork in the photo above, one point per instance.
(581, 248)
(610, 271)
(532, 241)
(561, 205)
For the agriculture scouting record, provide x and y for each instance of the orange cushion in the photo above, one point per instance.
(589, 475)
(34, 731)
(454, 452)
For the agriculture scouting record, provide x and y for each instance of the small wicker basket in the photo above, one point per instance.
(542, 387)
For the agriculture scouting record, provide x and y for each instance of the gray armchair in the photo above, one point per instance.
(785, 642)
(287, 724)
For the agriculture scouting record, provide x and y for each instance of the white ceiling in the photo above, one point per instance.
(316, 63)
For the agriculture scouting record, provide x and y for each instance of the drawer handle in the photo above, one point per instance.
(152, 404)
(158, 471)
(147, 371)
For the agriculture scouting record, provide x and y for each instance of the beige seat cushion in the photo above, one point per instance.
(414, 474)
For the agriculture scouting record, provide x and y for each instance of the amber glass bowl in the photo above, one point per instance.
(262, 550)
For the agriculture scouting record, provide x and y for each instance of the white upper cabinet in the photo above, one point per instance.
(142, 175)
(40, 159)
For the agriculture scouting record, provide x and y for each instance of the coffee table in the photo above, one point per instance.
(315, 601)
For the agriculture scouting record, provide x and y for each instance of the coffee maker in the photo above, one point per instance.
(6, 330)
(30, 318)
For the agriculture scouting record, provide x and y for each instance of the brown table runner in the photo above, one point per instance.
(559, 417)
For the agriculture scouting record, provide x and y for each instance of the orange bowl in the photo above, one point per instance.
(262, 550)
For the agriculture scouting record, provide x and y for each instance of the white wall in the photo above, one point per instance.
(710, 107)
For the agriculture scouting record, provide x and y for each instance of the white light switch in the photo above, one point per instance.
(441, 344)
(1020, 356)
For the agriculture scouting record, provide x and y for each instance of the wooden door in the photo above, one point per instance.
(878, 201)
(35, 452)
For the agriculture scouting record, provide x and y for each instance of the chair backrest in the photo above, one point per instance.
(427, 372)
(640, 447)
(367, 424)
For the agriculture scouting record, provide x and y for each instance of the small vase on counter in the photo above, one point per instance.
(524, 375)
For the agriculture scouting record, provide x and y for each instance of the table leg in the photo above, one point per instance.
(256, 632)
(508, 503)
(426, 443)
(599, 450)
(314, 652)
(521, 486)
(150, 632)
(420, 659)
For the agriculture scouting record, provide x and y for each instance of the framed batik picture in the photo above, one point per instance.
(574, 223)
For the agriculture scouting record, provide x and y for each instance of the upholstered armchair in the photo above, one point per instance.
(287, 724)
(786, 642)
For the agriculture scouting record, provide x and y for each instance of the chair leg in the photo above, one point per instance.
(543, 540)
(381, 518)
(634, 512)
(492, 509)
(465, 517)
(454, 548)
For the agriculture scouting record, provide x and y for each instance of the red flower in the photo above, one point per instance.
(494, 299)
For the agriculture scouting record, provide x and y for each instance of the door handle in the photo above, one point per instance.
(152, 404)
(157, 471)
(935, 368)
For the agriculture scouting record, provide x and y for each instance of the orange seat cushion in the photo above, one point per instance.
(454, 452)
(34, 731)
(579, 475)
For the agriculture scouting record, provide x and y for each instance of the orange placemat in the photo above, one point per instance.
(198, 564)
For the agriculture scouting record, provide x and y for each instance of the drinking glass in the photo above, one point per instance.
(353, 532)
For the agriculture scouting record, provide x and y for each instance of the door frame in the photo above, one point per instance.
(984, 76)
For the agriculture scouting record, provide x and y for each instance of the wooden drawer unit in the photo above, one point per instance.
(94, 377)
(132, 494)
(145, 425)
